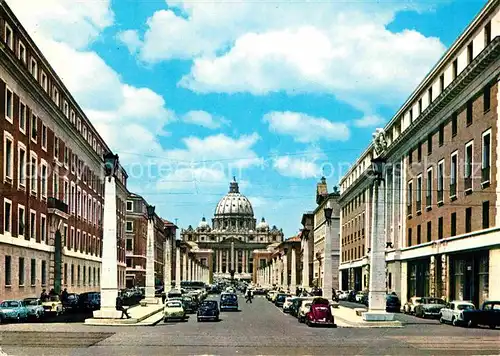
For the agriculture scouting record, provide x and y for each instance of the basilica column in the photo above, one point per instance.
(293, 282)
(233, 265)
(219, 264)
(285, 269)
(244, 261)
(177, 265)
(185, 267)
(280, 272)
(190, 269)
(273, 270)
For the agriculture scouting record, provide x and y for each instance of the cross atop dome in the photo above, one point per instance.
(233, 186)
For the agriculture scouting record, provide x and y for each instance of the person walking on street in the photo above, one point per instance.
(249, 295)
(64, 295)
(44, 296)
(119, 307)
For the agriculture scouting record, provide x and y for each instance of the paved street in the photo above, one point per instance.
(258, 329)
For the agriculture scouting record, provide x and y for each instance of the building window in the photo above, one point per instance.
(9, 37)
(440, 180)
(33, 272)
(487, 34)
(55, 185)
(22, 52)
(410, 196)
(21, 271)
(72, 117)
(429, 231)
(34, 68)
(79, 125)
(32, 224)
(44, 82)
(129, 226)
(44, 137)
(8, 164)
(453, 174)
(419, 193)
(7, 215)
(486, 157)
(486, 214)
(43, 180)
(428, 195)
(419, 234)
(409, 237)
(66, 109)
(9, 105)
(441, 83)
(454, 124)
(469, 113)
(78, 275)
(43, 228)
(468, 165)
(411, 115)
(468, 220)
(429, 144)
(65, 275)
(34, 127)
(429, 94)
(487, 98)
(22, 118)
(453, 225)
(129, 245)
(21, 172)
(470, 52)
(419, 152)
(455, 69)
(55, 96)
(8, 271)
(44, 273)
(56, 148)
(440, 228)
(441, 135)
(130, 205)
(410, 158)
(21, 220)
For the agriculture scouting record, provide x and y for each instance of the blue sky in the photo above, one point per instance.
(277, 93)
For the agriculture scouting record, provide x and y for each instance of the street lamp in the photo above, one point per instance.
(110, 165)
(328, 210)
(151, 212)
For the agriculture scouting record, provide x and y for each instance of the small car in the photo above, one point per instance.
(430, 307)
(488, 314)
(320, 313)
(35, 308)
(409, 307)
(453, 312)
(208, 310)
(304, 308)
(280, 299)
(228, 301)
(343, 295)
(89, 301)
(287, 305)
(190, 304)
(296, 302)
(53, 305)
(392, 303)
(173, 310)
(71, 302)
(13, 310)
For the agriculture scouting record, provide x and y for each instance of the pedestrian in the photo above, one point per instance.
(119, 307)
(64, 295)
(44, 296)
(52, 292)
(248, 296)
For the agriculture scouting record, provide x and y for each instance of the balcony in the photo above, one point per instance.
(468, 185)
(485, 177)
(440, 197)
(453, 191)
(57, 207)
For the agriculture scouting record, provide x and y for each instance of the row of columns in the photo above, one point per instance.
(229, 258)
(187, 268)
(276, 272)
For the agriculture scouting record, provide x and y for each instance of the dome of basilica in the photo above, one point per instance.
(234, 203)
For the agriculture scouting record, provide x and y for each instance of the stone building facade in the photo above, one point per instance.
(440, 189)
(51, 186)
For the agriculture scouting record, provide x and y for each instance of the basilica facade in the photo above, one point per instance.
(234, 238)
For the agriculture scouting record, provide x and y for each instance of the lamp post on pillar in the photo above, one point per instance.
(150, 258)
(109, 264)
(377, 286)
(327, 263)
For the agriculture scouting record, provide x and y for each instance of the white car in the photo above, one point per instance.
(287, 304)
(173, 310)
(304, 308)
(343, 295)
(452, 313)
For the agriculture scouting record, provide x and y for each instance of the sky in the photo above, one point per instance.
(274, 93)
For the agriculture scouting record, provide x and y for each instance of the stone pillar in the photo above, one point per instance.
(493, 272)
(327, 263)
(293, 282)
(150, 262)
(233, 265)
(109, 266)
(445, 281)
(190, 274)
(305, 265)
(244, 261)
(432, 278)
(167, 267)
(184, 267)
(285, 270)
(273, 271)
(377, 288)
(219, 261)
(177, 266)
(280, 272)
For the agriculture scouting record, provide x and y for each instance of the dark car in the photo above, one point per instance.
(294, 309)
(190, 304)
(392, 303)
(208, 310)
(280, 299)
(228, 301)
(89, 301)
(489, 315)
(71, 301)
(320, 313)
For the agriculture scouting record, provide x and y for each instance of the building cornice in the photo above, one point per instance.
(357, 187)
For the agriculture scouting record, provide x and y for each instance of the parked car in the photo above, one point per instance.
(53, 305)
(89, 301)
(359, 296)
(392, 303)
(304, 308)
(13, 310)
(173, 310)
(280, 299)
(228, 301)
(429, 307)
(343, 295)
(71, 302)
(320, 313)
(453, 312)
(208, 310)
(287, 305)
(409, 307)
(489, 315)
(351, 296)
(270, 294)
(296, 303)
(190, 304)
(35, 308)
(174, 293)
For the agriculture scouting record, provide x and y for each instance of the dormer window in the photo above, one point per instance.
(44, 82)
(9, 36)
(66, 109)
(79, 125)
(34, 68)
(22, 52)
(55, 96)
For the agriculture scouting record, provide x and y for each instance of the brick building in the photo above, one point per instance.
(440, 191)
(51, 186)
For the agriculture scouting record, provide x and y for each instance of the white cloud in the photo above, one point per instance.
(131, 39)
(305, 128)
(369, 121)
(297, 167)
(205, 119)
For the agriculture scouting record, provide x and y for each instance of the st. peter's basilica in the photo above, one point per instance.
(233, 237)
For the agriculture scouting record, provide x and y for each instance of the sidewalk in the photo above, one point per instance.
(139, 315)
(347, 317)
